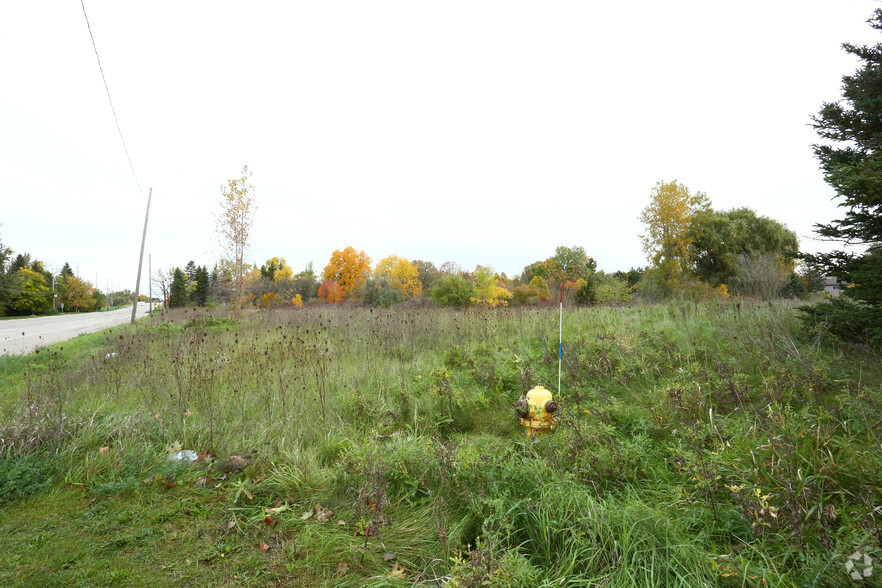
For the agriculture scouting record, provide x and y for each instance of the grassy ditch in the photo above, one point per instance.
(713, 445)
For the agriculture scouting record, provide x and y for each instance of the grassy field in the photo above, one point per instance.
(698, 445)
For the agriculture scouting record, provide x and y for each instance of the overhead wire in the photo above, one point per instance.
(109, 99)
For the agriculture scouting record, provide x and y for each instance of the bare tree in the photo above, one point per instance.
(761, 276)
(162, 282)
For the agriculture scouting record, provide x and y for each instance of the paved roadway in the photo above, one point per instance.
(22, 336)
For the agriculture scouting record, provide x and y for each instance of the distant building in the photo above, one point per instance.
(833, 286)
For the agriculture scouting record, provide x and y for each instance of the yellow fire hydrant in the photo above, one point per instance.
(536, 411)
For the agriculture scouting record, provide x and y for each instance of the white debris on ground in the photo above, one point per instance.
(184, 455)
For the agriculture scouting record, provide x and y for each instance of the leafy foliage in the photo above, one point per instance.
(666, 220)
(379, 291)
(718, 238)
(454, 291)
(851, 160)
(78, 294)
(331, 291)
(427, 272)
(488, 288)
(32, 293)
(610, 289)
(349, 269)
(234, 227)
(401, 274)
(568, 264)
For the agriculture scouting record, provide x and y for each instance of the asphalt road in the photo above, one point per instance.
(22, 336)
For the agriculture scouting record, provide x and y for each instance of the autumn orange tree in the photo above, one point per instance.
(402, 274)
(666, 219)
(234, 227)
(349, 269)
(330, 291)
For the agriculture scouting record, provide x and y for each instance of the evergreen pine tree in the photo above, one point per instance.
(851, 159)
(178, 290)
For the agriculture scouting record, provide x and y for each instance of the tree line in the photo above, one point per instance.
(692, 250)
(28, 288)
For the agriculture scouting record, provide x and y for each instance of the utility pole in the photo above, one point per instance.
(141, 258)
(150, 279)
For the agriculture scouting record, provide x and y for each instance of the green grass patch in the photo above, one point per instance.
(715, 445)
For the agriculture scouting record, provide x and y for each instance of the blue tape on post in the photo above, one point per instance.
(560, 352)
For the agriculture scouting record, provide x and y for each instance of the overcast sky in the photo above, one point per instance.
(478, 132)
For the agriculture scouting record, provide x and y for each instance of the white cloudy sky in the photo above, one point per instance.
(483, 132)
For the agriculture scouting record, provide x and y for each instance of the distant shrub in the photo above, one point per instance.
(610, 289)
(540, 287)
(379, 292)
(454, 291)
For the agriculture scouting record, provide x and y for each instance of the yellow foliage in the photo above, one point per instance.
(402, 275)
(234, 226)
(723, 291)
(490, 302)
(78, 293)
(349, 268)
(286, 273)
(297, 301)
(666, 220)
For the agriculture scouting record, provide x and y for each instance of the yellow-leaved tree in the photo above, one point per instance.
(402, 274)
(78, 294)
(666, 221)
(349, 269)
(234, 227)
(488, 288)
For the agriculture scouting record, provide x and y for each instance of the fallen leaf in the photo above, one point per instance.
(269, 521)
(201, 482)
(260, 479)
(264, 547)
(103, 450)
(206, 456)
(188, 413)
(397, 572)
(342, 568)
(276, 510)
(306, 516)
(341, 523)
(323, 515)
(388, 556)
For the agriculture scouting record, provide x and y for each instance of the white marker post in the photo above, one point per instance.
(560, 340)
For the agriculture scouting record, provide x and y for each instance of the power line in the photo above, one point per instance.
(109, 99)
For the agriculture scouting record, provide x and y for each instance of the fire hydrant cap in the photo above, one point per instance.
(538, 397)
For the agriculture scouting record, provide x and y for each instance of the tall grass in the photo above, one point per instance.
(699, 444)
